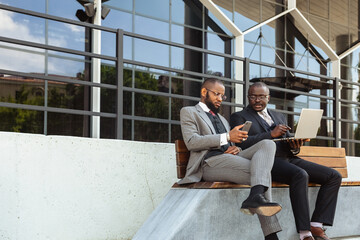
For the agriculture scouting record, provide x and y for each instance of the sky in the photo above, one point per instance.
(28, 28)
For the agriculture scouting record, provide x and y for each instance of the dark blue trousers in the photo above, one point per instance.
(297, 173)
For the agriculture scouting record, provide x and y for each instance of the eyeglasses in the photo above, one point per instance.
(223, 97)
(260, 97)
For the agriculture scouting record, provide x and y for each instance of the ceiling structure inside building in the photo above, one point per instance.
(335, 20)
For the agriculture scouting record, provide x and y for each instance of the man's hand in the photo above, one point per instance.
(232, 150)
(296, 143)
(238, 136)
(279, 130)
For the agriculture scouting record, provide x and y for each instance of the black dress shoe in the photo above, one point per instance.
(260, 205)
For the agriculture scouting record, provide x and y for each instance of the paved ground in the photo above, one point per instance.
(348, 238)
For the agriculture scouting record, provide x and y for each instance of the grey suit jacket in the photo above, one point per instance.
(199, 136)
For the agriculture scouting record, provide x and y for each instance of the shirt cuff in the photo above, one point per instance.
(223, 139)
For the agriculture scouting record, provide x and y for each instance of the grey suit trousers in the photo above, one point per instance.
(251, 166)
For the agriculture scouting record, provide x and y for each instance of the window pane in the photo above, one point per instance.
(19, 120)
(150, 52)
(176, 133)
(151, 132)
(153, 8)
(70, 96)
(351, 131)
(68, 124)
(22, 59)
(38, 6)
(63, 8)
(22, 90)
(147, 105)
(123, 4)
(107, 128)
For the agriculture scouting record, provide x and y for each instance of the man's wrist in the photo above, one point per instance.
(228, 137)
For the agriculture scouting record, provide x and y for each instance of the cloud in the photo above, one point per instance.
(26, 59)
(75, 29)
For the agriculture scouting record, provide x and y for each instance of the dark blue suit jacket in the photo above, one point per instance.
(259, 129)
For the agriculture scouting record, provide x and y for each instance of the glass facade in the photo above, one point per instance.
(160, 78)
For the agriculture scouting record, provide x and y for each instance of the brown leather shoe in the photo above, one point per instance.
(319, 233)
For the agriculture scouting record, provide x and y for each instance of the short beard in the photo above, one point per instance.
(210, 105)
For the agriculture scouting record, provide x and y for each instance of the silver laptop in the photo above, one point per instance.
(308, 125)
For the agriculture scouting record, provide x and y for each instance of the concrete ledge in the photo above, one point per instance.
(214, 214)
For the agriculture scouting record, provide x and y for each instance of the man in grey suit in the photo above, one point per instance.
(213, 156)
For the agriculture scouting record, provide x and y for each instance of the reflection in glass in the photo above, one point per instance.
(68, 124)
(22, 59)
(147, 105)
(216, 64)
(123, 4)
(65, 65)
(118, 19)
(107, 128)
(153, 8)
(147, 26)
(127, 129)
(67, 35)
(63, 8)
(22, 90)
(151, 132)
(127, 102)
(352, 133)
(150, 52)
(175, 132)
(108, 44)
(178, 11)
(22, 27)
(177, 58)
(181, 85)
(66, 95)
(19, 120)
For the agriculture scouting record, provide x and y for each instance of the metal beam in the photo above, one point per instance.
(96, 72)
(267, 21)
(312, 31)
(222, 17)
(349, 51)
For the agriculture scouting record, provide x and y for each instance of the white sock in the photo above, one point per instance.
(304, 234)
(316, 224)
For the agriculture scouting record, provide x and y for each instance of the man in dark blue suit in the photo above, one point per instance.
(288, 168)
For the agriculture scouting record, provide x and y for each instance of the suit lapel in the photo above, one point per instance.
(205, 117)
(224, 122)
(258, 118)
(274, 117)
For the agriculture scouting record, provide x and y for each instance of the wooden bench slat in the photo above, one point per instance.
(327, 156)
(321, 151)
(180, 146)
(224, 185)
(342, 171)
(180, 170)
(182, 158)
(327, 161)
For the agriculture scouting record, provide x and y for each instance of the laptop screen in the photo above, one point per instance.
(309, 123)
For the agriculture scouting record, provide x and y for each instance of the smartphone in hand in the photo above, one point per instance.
(246, 126)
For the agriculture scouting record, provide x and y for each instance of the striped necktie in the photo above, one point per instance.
(267, 117)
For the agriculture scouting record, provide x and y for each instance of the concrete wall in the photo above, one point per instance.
(57, 187)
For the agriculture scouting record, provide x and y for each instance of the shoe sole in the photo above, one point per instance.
(263, 210)
(247, 211)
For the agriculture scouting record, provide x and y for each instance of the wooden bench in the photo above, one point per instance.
(328, 156)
